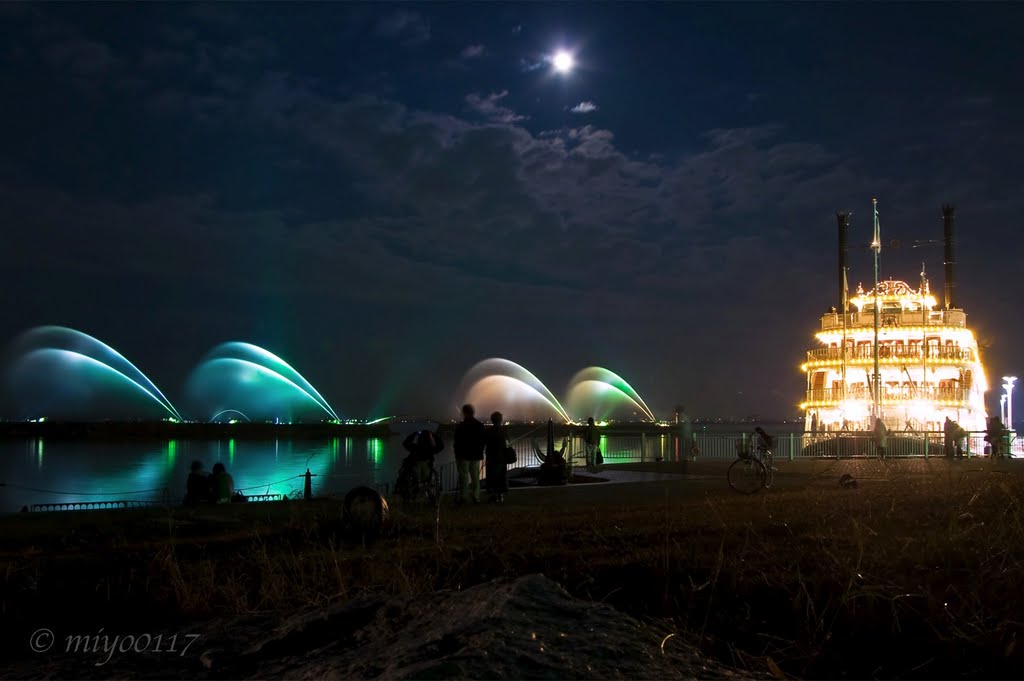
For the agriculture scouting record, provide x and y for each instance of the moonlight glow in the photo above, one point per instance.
(562, 61)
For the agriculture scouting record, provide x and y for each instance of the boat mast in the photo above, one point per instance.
(843, 220)
(846, 304)
(876, 246)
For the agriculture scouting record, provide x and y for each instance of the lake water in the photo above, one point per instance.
(38, 471)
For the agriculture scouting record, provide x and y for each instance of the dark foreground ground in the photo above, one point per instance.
(915, 573)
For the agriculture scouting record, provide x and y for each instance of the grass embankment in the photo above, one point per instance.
(919, 576)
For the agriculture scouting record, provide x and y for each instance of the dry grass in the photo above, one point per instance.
(916, 577)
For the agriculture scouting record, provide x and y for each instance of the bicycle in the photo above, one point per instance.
(753, 469)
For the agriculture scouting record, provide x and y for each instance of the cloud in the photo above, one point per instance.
(584, 107)
(490, 107)
(80, 56)
(217, 14)
(472, 52)
(409, 27)
(528, 65)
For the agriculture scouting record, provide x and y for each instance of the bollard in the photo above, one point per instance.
(307, 492)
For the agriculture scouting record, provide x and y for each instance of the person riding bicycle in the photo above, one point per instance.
(764, 441)
(422, 446)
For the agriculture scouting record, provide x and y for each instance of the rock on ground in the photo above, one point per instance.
(526, 628)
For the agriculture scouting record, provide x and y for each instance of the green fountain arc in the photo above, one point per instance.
(80, 346)
(606, 377)
(253, 370)
(279, 366)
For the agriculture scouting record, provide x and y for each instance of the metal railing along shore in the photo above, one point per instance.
(624, 447)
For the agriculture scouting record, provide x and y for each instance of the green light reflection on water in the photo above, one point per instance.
(375, 450)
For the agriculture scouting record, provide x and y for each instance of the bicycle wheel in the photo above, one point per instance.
(746, 476)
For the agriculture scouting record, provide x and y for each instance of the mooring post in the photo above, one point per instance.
(307, 492)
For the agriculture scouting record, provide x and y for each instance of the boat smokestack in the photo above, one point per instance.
(949, 239)
(844, 227)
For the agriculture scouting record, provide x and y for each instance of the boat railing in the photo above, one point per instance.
(890, 394)
(892, 351)
(834, 320)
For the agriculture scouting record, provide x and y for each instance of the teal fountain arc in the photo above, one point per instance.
(599, 388)
(502, 382)
(45, 351)
(242, 377)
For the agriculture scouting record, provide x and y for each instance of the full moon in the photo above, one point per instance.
(562, 61)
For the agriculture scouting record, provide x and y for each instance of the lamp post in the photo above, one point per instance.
(1008, 382)
(1002, 409)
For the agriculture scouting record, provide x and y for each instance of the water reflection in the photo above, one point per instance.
(85, 471)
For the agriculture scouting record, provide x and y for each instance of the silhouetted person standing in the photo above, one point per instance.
(497, 464)
(469, 452)
(995, 435)
(221, 484)
(591, 442)
(686, 443)
(881, 437)
(947, 438)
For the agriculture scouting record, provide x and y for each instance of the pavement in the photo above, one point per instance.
(632, 482)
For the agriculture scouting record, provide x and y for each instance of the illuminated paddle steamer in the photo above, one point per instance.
(895, 352)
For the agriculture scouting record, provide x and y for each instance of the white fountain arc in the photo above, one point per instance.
(504, 367)
(553, 404)
(96, 364)
(103, 347)
(228, 411)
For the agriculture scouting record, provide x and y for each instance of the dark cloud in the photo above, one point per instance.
(472, 52)
(408, 27)
(79, 56)
(490, 107)
(218, 14)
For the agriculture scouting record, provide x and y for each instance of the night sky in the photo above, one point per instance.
(385, 195)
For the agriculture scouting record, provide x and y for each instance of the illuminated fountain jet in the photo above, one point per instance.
(242, 378)
(596, 391)
(497, 384)
(57, 372)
